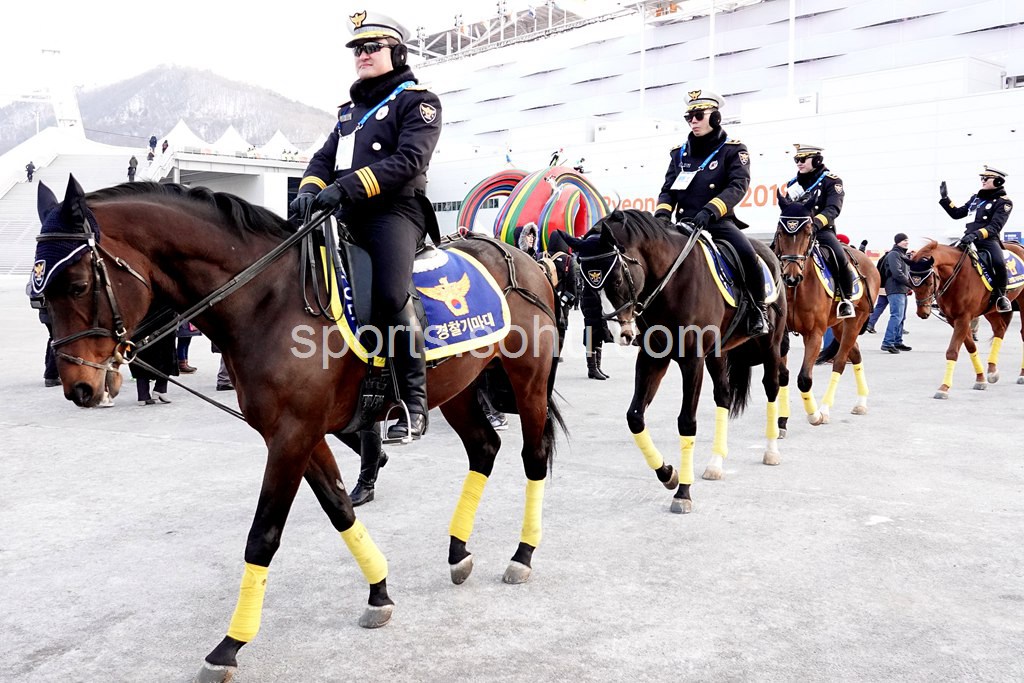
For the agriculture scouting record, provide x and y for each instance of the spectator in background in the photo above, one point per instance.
(152, 144)
(185, 333)
(51, 378)
(131, 173)
(863, 246)
(150, 156)
(579, 166)
(30, 169)
(897, 286)
(555, 156)
(161, 355)
(163, 147)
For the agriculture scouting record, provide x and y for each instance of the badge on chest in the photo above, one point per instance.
(345, 151)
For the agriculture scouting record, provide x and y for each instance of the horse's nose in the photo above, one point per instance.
(924, 313)
(792, 280)
(81, 394)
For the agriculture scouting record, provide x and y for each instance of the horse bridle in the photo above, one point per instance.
(124, 349)
(939, 288)
(791, 225)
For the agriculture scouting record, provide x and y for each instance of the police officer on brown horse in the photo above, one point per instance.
(372, 169)
(706, 178)
(822, 192)
(991, 208)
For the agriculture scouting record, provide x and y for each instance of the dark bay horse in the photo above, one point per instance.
(811, 311)
(945, 275)
(167, 244)
(677, 312)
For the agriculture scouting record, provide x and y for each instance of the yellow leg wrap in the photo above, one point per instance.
(783, 401)
(862, 380)
(686, 459)
(810, 405)
(531, 518)
(720, 445)
(245, 622)
(465, 512)
(369, 558)
(993, 355)
(651, 453)
(771, 427)
(830, 393)
(948, 379)
(976, 362)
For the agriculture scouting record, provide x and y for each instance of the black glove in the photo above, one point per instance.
(942, 190)
(969, 237)
(331, 197)
(567, 299)
(702, 219)
(663, 215)
(300, 205)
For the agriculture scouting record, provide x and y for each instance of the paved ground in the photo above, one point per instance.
(885, 547)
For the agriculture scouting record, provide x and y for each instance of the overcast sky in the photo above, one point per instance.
(294, 48)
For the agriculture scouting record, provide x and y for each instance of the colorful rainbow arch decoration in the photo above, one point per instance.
(555, 198)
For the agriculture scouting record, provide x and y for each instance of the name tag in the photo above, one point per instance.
(343, 156)
(683, 180)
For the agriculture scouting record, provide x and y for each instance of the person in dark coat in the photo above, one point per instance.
(991, 208)
(161, 356)
(596, 332)
(152, 143)
(897, 286)
(30, 169)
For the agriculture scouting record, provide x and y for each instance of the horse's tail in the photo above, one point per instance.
(739, 363)
(828, 353)
(548, 440)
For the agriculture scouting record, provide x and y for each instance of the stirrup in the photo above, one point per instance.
(845, 309)
(403, 410)
(1003, 304)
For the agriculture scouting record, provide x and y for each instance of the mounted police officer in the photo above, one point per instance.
(822, 191)
(991, 208)
(706, 178)
(372, 169)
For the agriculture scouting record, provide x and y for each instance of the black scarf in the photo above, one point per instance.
(808, 179)
(704, 145)
(991, 194)
(373, 90)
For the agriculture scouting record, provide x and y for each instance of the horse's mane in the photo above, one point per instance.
(235, 212)
(631, 224)
(926, 251)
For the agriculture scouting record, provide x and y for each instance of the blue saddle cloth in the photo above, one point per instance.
(1014, 268)
(465, 308)
(827, 278)
(724, 274)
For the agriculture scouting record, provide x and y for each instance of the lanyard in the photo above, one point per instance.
(371, 112)
(809, 189)
(711, 156)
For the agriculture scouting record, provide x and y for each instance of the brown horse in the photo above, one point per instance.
(812, 311)
(166, 244)
(945, 275)
(652, 291)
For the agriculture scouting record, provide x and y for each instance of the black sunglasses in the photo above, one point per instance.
(800, 160)
(368, 48)
(694, 115)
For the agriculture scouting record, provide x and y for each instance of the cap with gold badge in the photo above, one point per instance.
(366, 26)
(704, 99)
(804, 151)
(990, 172)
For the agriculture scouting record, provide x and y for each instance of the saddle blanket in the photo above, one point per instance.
(722, 272)
(465, 308)
(828, 280)
(1014, 270)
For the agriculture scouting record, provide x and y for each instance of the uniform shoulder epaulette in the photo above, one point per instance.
(418, 86)
(344, 104)
(676, 147)
(734, 142)
(832, 175)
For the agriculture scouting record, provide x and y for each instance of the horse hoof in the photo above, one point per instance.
(375, 617)
(782, 432)
(1020, 380)
(673, 481)
(516, 573)
(941, 395)
(771, 458)
(859, 410)
(980, 386)
(214, 673)
(816, 419)
(712, 473)
(461, 570)
(993, 377)
(681, 506)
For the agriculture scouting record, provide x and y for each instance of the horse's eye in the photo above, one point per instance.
(77, 289)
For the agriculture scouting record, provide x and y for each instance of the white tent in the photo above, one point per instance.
(181, 138)
(276, 146)
(231, 142)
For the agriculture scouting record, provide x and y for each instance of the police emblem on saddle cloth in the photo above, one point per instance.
(725, 279)
(465, 308)
(1014, 270)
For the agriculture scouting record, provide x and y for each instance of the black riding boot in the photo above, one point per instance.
(593, 369)
(371, 458)
(844, 287)
(597, 362)
(410, 368)
(1001, 302)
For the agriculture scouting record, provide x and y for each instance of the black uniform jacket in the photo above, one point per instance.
(719, 187)
(991, 209)
(392, 149)
(826, 199)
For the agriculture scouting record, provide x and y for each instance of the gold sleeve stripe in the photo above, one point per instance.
(984, 233)
(719, 206)
(667, 207)
(821, 219)
(313, 180)
(369, 182)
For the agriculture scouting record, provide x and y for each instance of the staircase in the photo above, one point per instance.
(19, 221)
